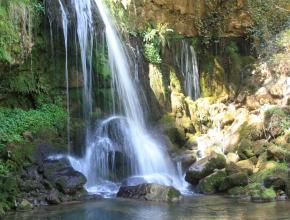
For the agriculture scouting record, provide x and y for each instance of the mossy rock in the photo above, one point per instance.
(211, 183)
(205, 167)
(236, 179)
(245, 150)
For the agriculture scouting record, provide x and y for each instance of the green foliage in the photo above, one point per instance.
(4, 168)
(154, 40)
(14, 122)
(152, 53)
(8, 193)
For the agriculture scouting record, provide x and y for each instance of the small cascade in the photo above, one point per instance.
(186, 61)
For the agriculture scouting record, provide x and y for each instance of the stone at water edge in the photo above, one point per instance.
(63, 176)
(150, 192)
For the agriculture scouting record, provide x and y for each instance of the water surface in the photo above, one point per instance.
(198, 207)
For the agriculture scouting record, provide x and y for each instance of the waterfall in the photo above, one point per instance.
(121, 149)
(187, 63)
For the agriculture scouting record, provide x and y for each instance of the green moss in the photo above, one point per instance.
(218, 162)
(173, 193)
(211, 184)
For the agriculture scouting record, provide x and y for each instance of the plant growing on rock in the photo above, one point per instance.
(154, 40)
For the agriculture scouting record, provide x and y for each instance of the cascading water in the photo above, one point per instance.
(121, 146)
(187, 63)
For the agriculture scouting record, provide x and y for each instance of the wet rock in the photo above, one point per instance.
(150, 192)
(205, 167)
(63, 176)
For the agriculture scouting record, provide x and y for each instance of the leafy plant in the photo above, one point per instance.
(154, 40)
(14, 122)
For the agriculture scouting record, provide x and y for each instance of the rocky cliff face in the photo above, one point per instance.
(191, 18)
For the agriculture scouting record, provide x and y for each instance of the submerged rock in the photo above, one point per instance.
(150, 192)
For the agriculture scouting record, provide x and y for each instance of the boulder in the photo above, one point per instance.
(150, 192)
(245, 150)
(211, 183)
(63, 176)
(233, 180)
(205, 167)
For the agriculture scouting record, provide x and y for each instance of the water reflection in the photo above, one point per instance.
(201, 208)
